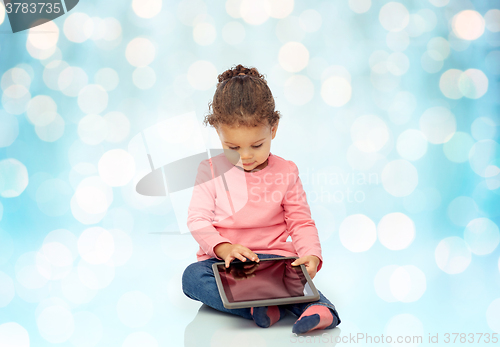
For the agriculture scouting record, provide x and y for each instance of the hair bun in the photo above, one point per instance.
(240, 70)
(243, 101)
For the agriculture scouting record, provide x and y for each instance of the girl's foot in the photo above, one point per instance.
(265, 316)
(315, 317)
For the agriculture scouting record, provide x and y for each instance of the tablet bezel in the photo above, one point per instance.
(265, 302)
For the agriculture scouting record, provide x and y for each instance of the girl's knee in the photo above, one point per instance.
(194, 273)
(188, 276)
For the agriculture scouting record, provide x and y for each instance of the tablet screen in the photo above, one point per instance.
(267, 279)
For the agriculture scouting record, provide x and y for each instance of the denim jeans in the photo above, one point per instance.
(198, 283)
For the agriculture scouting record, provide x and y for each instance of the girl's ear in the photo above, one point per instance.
(274, 130)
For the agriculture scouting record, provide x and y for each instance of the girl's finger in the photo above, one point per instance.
(249, 254)
(228, 261)
(240, 257)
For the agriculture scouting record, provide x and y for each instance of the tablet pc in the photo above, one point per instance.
(271, 281)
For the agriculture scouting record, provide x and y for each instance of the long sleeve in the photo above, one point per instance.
(297, 213)
(201, 211)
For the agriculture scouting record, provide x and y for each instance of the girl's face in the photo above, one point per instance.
(253, 144)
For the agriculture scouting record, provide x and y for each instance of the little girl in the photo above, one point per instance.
(251, 222)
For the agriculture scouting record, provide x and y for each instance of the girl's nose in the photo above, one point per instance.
(245, 155)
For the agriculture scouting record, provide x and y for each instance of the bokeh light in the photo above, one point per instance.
(382, 283)
(357, 233)
(293, 56)
(482, 236)
(468, 25)
(407, 283)
(96, 245)
(91, 200)
(56, 324)
(2, 13)
(394, 16)
(116, 167)
(72, 80)
(74, 24)
(310, 21)
(117, 125)
(473, 83)
(204, 33)
(336, 91)
(255, 12)
(45, 40)
(201, 75)
(95, 277)
(52, 71)
(481, 156)
(397, 41)
(493, 316)
(107, 78)
(462, 210)
(147, 8)
(438, 124)
(492, 19)
(411, 144)
(13, 334)
(92, 99)
(396, 231)
(448, 84)
(458, 147)
(16, 75)
(144, 77)
(15, 99)
(53, 197)
(360, 6)
(52, 131)
(42, 110)
(13, 178)
(483, 128)
(452, 255)
(369, 133)
(140, 52)
(399, 178)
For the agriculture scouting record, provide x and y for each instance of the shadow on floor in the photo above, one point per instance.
(214, 328)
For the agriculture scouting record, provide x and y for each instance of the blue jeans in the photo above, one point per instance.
(198, 283)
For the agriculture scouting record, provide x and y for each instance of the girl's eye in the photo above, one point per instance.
(235, 148)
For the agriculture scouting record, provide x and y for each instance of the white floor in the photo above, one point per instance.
(213, 328)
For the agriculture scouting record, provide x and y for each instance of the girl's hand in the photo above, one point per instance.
(311, 263)
(228, 252)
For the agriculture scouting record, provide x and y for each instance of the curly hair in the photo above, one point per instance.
(242, 98)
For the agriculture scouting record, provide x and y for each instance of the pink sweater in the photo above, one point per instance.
(258, 210)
